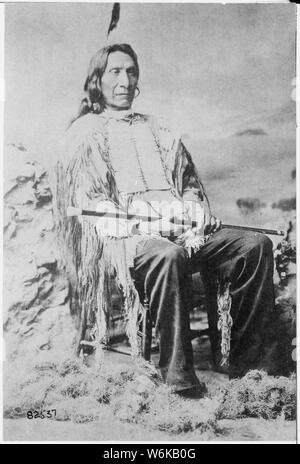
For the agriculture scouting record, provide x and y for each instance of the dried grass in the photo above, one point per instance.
(132, 395)
(175, 415)
(78, 410)
(157, 408)
(258, 395)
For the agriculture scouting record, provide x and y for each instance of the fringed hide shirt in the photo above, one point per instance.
(113, 160)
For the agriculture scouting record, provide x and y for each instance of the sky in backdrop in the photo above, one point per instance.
(206, 67)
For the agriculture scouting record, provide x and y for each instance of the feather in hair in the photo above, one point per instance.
(115, 16)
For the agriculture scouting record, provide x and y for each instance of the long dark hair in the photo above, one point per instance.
(93, 101)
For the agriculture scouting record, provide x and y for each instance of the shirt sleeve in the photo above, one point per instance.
(183, 172)
(186, 174)
(87, 176)
(82, 177)
(91, 186)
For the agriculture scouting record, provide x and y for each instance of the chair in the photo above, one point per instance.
(145, 329)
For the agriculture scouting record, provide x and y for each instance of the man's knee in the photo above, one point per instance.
(260, 245)
(262, 242)
(174, 253)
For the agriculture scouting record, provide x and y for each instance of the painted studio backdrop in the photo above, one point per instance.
(222, 75)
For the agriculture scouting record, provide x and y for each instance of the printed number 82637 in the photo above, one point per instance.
(44, 414)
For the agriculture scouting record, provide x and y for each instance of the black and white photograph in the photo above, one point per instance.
(149, 223)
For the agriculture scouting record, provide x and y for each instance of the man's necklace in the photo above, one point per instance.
(142, 174)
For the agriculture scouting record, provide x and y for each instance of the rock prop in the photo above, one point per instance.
(36, 292)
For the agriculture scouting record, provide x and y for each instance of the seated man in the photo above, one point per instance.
(121, 160)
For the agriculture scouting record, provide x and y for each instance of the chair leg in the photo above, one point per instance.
(199, 333)
(146, 331)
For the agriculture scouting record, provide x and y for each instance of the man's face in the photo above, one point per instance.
(119, 81)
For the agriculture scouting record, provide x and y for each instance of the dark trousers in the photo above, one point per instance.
(244, 259)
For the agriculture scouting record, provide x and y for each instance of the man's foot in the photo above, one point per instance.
(196, 391)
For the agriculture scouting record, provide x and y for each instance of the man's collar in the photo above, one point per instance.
(118, 115)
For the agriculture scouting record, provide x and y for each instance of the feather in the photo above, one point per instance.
(115, 16)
